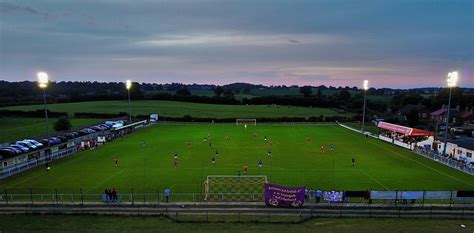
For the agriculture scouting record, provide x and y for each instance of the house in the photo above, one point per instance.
(440, 115)
(423, 112)
(468, 116)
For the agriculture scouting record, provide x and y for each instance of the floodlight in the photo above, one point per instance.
(366, 85)
(452, 78)
(128, 84)
(42, 79)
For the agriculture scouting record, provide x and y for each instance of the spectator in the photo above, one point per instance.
(167, 194)
(311, 195)
(318, 195)
(305, 193)
(114, 194)
(106, 192)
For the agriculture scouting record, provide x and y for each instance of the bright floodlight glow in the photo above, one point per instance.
(366, 85)
(42, 79)
(452, 78)
(128, 84)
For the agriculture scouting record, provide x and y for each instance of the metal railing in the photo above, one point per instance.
(55, 196)
(444, 160)
(425, 153)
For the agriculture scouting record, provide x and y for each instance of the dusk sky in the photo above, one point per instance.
(396, 43)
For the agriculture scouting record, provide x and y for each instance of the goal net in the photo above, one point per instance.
(234, 188)
(246, 122)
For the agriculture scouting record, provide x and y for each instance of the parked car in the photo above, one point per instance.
(55, 140)
(97, 128)
(36, 143)
(16, 151)
(90, 130)
(106, 126)
(62, 138)
(6, 153)
(30, 145)
(51, 141)
(82, 132)
(70, 135)
(20, 147)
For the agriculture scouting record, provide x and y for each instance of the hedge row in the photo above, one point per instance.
(99, 115)
(188, 118)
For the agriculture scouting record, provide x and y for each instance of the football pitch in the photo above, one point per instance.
(295, 161)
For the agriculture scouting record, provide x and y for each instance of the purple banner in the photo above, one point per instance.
(277, 195)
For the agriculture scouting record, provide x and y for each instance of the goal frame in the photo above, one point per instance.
(251, 121)
(206, 183)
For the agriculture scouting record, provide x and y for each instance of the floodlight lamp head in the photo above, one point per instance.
(42, 79)
(452, 79)
(366, 85)
(128, 84)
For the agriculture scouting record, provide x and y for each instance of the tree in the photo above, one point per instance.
(229, 94)
(135, 92)
(306, 91)
(62, 124)
(218, 91)
(413, 118)
(344, 95)
(319, 94)
(183, 92)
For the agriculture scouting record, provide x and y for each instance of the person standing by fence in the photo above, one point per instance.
(311, 195)
(167, 194)
(318, 195)
(114, 194)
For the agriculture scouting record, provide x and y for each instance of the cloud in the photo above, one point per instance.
(265, 41)
(238, 39)
(10, 8)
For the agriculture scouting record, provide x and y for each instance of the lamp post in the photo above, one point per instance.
(452, 80)
(366, 87)
(128, 85)
(43, 81)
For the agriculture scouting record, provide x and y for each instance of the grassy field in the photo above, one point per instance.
(19, 128)
(295, 162)
(104, 224)
(179, 109)
(292, 91)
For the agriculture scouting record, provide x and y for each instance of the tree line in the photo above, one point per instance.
(350, 99)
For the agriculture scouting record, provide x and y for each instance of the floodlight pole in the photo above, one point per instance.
(363, 114)
(129, 107)
(46, 118)
(447, 123)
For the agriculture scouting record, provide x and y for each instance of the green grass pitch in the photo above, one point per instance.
(295, 162)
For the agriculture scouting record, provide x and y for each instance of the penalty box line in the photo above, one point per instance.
(104, 181)
(373, 178)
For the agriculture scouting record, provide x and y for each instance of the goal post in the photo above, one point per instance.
(246, 122)
(234, 188)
